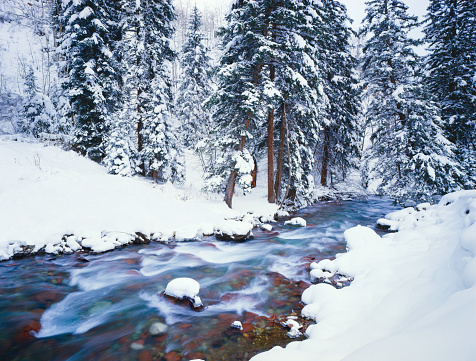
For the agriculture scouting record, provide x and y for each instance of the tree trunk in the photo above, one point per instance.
(271, 195)
(140, 141)
(325, 158)
(230, 186)
(280, 160)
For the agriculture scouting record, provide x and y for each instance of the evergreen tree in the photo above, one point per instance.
(144, 119)
(195, 84)
(294, 38)
(269, 79)
(409, 155)
(338, 148)
(89, 73)
(450, 33)
(236, 104)
(38, 110)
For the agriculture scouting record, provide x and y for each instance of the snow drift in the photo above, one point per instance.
(413, 296)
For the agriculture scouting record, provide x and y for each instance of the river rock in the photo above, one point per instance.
(172, 356)
(158, 328)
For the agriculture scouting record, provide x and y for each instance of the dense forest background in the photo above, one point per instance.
(286, 84)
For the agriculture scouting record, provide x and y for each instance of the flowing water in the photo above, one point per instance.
(102, 307)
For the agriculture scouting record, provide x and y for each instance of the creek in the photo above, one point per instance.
(103, 307)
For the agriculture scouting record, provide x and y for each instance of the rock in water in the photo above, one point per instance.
(157, 328)
(185, 288)
(237, 325)
(297, 221)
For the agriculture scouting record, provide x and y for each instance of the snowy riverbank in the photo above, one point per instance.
(413, 296)
(47, 193)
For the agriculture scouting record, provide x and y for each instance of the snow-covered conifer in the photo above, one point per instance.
(146, 30)
(409, 155)
(236, 104)
(195, 86)
(338, 149)
(89, 74)
(38, 110)
(450, 34)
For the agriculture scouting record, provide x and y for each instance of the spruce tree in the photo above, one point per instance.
(89, 73)
(195, 85)
(451, 64)
(409, 155)
(144, 119)
(294, 37)
(338, 149)
(269, 82)
(236, 104)
(38, 111)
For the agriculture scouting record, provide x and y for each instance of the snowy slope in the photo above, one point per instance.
(413, 297)
(46, 193)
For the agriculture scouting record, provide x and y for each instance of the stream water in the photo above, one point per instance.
(111, 306)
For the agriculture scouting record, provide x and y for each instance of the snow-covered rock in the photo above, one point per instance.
(267, 227)
(233, 230)
(184, 288)
(237, 325)
(385, 223)
(296, 221)
(293, 326)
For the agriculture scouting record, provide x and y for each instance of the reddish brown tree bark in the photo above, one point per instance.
(325, 158)
(280, 160)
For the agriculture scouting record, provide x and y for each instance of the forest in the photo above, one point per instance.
(285, 84)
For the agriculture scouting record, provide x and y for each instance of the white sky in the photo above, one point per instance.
(355, 8)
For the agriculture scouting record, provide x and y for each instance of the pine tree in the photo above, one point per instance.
(451, 65)
(89, 73)
(195, 84)
(409, 154)
(38, 110)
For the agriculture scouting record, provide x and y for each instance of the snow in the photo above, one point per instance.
(237, 324)
(413, 293)
(58, 201)
(184, 287)
(294, 327)
(296, 221)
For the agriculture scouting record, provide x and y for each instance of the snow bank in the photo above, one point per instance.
(59, 202)
(413, 296)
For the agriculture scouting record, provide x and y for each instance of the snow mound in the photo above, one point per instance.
(237, 325)
(297, 221)
(184, 288)
(413, 293)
